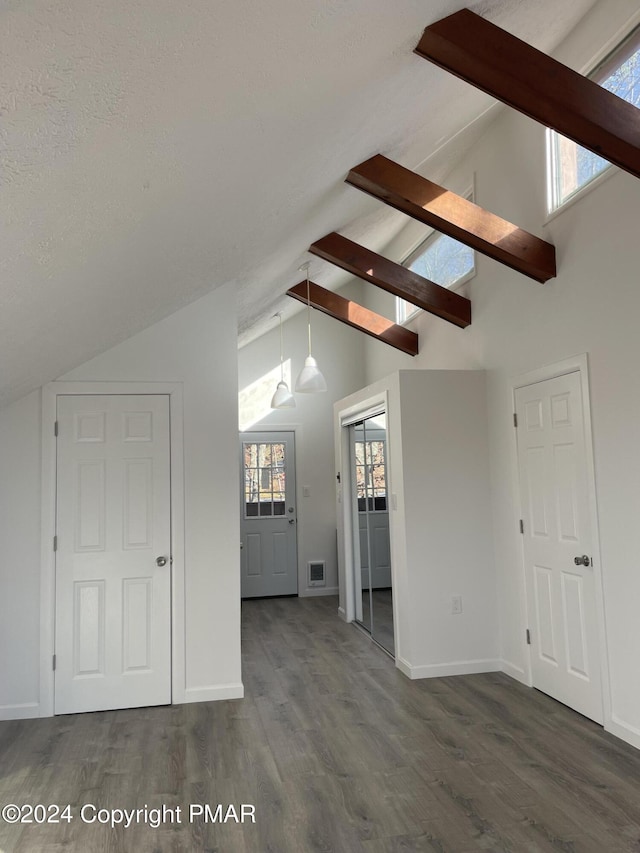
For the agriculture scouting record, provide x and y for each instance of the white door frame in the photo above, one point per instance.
(50, 393)
(297, 431)
(575, 364)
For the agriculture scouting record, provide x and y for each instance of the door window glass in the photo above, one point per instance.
(371, 481)
(264, 479)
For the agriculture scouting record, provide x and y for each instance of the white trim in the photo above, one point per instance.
(404, 667)
(441, 670)
(50, 393)
(611, 44)
(515, 672)
(576, 196)
(315, 591)
(574, 364)
(47, 559)
(625, 731)
(25, 711)
(375, 404)
(234, 690)
(356, 417)
(374, 400)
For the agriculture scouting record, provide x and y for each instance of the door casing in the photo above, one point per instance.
(579, 364)
(48, 526)
(346, 417)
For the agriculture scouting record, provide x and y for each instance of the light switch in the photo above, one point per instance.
(306, 491)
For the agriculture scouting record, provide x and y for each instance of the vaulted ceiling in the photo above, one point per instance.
(153, 151)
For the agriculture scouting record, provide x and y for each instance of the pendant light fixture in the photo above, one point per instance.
(310, 380)
(283, 398)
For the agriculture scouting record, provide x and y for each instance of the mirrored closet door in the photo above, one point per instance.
(372, 557)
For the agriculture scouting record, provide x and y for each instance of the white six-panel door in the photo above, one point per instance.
(561, 595)
(113, 564)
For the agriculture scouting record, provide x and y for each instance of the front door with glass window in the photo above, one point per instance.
(269, 563)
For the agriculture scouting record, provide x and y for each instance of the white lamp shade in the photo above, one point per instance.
(310, 379)
(283, 398)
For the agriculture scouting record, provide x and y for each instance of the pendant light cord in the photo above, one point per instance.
(308, 311)
(281, 351)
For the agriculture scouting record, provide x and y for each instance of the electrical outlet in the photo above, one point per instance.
(456, 604)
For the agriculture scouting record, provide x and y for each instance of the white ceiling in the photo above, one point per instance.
(151, 151)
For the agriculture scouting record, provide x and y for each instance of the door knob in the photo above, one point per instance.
(161, 561)
(582, 561)
(292, 521)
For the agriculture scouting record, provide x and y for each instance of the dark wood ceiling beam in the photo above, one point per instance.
(456, 216)
(356, 316)
(528, 80)
(393, 278)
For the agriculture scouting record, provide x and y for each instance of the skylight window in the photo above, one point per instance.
(572, 167)
(441, 259)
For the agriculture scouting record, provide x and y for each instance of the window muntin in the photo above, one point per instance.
(572, 167)
(371, 479)
(264, 479)
(441, 259)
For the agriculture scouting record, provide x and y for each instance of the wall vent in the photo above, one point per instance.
(316, 573)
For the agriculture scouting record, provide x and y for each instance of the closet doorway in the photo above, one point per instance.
(372, 552)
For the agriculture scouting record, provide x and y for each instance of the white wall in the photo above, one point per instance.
(448, 522)
(197, 348)
(339, 352)
(518, 325)
(20, 563)
(439, 519)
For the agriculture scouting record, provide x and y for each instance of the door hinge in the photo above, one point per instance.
(528, 637)
(522, 527)
(55, 543)
(515, 420)
(55, 429)
(54, 663)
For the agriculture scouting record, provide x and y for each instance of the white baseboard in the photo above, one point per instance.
(515, 672)
(441, 670)
(403, 666)
(214, 694)
(312, 591)
(625, 731)
(27, 711)
(342, 613)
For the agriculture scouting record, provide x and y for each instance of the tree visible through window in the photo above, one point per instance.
(264, 479)
(441, 259)
(371, 480)
(571, 166)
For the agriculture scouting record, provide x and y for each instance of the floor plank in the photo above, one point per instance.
(338, 752)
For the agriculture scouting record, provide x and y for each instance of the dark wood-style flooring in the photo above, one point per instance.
(339, 752)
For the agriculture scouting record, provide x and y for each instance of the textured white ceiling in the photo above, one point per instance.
(151, 151)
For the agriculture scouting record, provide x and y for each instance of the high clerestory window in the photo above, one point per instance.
(572, 167)
(441, 259)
